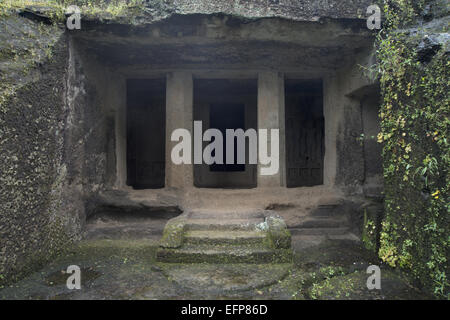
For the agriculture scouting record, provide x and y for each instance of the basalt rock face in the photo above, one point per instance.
(51, 144)
(35, 221)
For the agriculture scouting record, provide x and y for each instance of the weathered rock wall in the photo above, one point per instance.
(345, 91)
(54, 142)
(90, 129)
(34, 220)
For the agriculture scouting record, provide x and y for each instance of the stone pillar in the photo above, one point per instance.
(118, 98)
(271, 116)
(179, 110)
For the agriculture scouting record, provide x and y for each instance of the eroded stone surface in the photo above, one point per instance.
(223, 278)
(126, 269)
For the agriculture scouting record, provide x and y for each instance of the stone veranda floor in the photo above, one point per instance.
(117, 261)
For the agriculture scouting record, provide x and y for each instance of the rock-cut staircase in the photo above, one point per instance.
(331, 220)
(202, 237)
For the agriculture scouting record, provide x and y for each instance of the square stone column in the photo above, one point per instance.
(179, 113)
(271, 116)
(118, 99)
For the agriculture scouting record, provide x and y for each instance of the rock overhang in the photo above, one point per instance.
(256, 34)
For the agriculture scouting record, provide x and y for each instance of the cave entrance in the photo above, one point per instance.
(226, 104)
(305, 134)
(146, 133)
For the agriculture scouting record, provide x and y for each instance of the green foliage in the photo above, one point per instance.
(112, 7)
(416, 153)
(7, 7)
(322, 280)
(369, 233)
(55, 9)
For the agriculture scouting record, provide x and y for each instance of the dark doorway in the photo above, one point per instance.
(227, 116)
(226, 104)
(146, 131)
(305, 146)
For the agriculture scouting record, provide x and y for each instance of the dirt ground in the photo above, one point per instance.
(117, 261)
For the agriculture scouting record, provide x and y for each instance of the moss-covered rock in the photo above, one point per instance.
(33, 226)
(278, 235)
(173, 235)
(414, 75)
(124, 269)
(353, 286)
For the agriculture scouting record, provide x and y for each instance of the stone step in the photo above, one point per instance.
(224, 254)
(346, 236)
(222, 224)
(226, 215)
(324, 211)
(328, 210)
(321, 222)
(318, 231)
(224, 237)
(225, 240)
